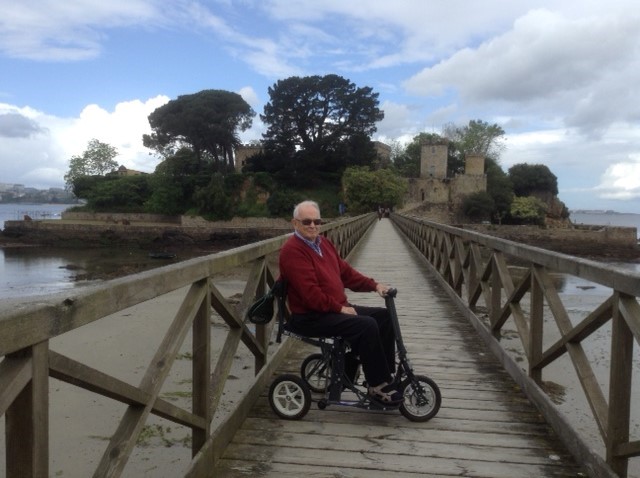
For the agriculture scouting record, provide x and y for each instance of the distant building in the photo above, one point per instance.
(434, 187)
(243, 153)
(123, 171)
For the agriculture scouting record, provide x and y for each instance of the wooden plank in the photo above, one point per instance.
(73, 372)
(27, 421)
(15, 374)
(123, 440)
(485, 428)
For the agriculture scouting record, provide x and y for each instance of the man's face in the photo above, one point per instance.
(305, 224)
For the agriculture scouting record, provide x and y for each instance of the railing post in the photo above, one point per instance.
(536, 323)
(27, 420)
(496, 295)
(619, 388)
(201, 370)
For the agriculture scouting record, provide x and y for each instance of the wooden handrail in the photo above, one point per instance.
(475, 267)
(28, 362)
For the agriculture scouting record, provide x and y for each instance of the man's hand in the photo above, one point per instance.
(382, 289)
(348, 310)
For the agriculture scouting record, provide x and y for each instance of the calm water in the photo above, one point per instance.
(27, 272)
(625, 220)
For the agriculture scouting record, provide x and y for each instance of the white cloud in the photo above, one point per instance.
(621, 180)
(548, 65)
(51, 30)
(43, 160)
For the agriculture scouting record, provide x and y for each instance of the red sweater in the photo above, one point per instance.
(314, 283)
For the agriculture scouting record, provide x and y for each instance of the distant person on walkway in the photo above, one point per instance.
(316, 278)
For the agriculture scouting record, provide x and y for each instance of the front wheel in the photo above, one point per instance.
(422, 398)
(289, 397)
(316, 373)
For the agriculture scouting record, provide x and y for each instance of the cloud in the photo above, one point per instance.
(15, 125)
(68, 31)
(621, 180)
(59, 139)
(548, 65)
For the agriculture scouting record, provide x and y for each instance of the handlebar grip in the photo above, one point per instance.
(392, 292)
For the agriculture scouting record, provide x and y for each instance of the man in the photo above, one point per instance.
(316, 277)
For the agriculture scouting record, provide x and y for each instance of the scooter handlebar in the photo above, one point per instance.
(392, 292)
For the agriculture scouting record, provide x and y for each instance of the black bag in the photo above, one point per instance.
(261, 311)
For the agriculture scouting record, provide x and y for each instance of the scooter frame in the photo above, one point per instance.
(290, 395)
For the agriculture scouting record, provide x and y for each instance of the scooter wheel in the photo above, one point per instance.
(322, 404)
(316, 372)
(422, 399)
(289, 397)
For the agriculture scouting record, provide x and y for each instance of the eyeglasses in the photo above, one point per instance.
(308, 222)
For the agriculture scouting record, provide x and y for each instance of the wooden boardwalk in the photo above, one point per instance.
(485, 427)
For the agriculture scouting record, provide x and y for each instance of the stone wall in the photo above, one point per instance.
(119, 217)
(615, 243)
(141, 230)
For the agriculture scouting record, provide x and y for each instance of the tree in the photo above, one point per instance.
(175, 181)
(206, 122)
(97, 160)
(478, 137)
(120, 194)
(499, 188)
(532, 178)
(528, 210)
(365, 190)
(311, 119)
(478, 206)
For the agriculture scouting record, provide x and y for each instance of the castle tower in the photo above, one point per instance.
(433, 161)
(474, 164)
(244, 152)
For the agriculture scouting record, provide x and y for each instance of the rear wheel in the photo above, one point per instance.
(422, 399)
(315, 372)
(289, 397)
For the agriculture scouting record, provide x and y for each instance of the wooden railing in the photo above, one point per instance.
(28, 361)
(513, 282)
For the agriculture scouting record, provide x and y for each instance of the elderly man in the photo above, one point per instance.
(316, 278)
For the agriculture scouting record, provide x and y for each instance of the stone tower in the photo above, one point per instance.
(433, 161)
(474, 164)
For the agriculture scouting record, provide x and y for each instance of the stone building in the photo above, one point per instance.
(243, 153)
(435, 187)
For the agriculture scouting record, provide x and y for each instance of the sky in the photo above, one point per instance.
(560, 77)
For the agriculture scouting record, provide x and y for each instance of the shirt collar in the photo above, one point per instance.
(315, 245)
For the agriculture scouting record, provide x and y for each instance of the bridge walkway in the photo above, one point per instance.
(485, 428)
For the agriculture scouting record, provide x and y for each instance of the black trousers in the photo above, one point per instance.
(370, 334)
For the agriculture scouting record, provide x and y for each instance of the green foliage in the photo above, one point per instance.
(213, 201)
(528, 210)
(499, 188)
(207, 122)
(319, 123)
(234, 181)
(478, 137)
(97, 160)
(530, 178)
(478, 206)
(366, 189)
(166, 198)
(263, 181)
(120, 194)
(282, 202)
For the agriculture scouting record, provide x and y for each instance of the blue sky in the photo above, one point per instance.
(559, 77)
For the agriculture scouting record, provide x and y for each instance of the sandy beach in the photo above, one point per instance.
(123, 345)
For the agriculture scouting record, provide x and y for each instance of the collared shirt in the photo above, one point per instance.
(313, 245)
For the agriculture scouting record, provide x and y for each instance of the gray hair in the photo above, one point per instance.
(296, 210)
